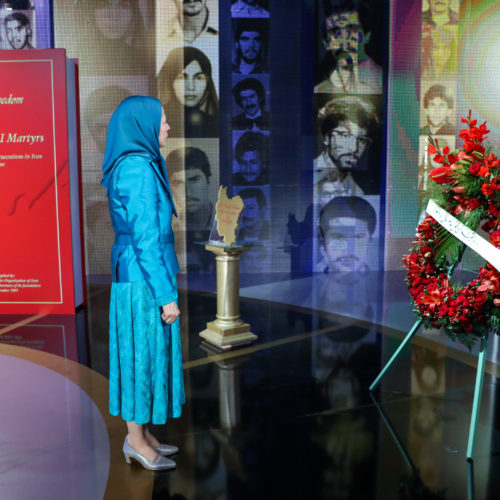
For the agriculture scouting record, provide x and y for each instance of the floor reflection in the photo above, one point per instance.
(289, 417)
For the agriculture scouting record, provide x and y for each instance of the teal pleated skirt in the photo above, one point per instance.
(146, 382)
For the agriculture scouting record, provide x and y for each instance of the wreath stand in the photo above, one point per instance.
(470, 463)
(478, 389)
(471, 179)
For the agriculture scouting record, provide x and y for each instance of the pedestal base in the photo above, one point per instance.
(225, 336)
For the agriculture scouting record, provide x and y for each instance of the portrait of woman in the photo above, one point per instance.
(146, 382)
(187, 92)
(114, 41)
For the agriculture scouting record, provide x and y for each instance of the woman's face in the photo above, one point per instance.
(164, 128)
(190, 85)
(113, 18)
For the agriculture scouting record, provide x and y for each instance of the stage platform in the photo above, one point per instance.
(288, 417)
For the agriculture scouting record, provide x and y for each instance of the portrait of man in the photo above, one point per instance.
(346, 228)
(18, 31)
(248, 8)
(195, 25)
(189, 172)
(253, 223)
(250, 95)
(348, 68)
(348, 126)
(250, 40)
(192, 21)
(251, 155)
(438, 110)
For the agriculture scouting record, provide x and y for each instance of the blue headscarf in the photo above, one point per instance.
(134, 129)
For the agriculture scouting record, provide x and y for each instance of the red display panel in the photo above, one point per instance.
(36, 269)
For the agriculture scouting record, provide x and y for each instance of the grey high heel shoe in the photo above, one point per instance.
(167, 449)
(159, 463)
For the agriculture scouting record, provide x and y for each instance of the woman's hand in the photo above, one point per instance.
(170, 313)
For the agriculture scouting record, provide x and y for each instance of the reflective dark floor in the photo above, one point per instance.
(289, 417)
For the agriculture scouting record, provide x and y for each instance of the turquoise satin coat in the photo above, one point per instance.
(140, 200)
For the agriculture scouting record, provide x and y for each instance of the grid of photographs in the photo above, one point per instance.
(250, 123)
(347, 167)
(167, 48)
(438, 86)
(187, 65)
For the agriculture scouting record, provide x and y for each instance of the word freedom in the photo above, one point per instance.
(11, 100)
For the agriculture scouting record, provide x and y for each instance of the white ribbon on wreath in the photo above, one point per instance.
(481, 246)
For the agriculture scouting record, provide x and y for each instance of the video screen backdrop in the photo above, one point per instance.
(292, 105)
(288, 114)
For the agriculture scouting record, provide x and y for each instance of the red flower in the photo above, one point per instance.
(484, 170)
(493, 210)
(491, 280)
(443, 310)
(441, 175)
(474, 203)
(495, 238)
(487, 190)
(474, 169)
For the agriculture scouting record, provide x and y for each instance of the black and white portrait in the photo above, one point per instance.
(18, 29)
(348, 126)
(251, 100)
(188, 94)
(193, 23)
(250, 46)
(190, 175)
(254, 223)
(251, 157)
(346, 233)
(438, 111)
(193, 174)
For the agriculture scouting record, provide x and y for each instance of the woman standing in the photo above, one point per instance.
(146, 378)
(187, 90)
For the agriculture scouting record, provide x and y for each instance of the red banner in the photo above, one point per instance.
(36, 269)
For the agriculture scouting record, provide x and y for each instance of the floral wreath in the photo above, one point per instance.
(468, 187)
